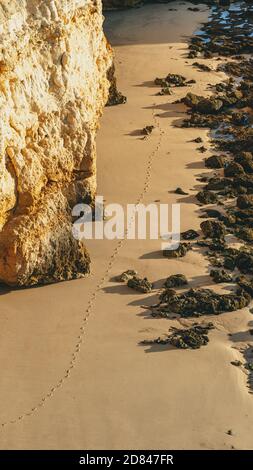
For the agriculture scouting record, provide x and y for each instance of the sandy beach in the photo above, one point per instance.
(62, 389)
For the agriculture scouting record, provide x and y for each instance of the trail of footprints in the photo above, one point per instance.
(94, 294)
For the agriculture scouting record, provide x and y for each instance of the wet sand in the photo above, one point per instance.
(118, 394)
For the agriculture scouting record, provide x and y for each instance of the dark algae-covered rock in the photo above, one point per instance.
(245, 159)
(213, 229)
(233, 169)
(236, 363)
(176, 280)
(126, 275)
(245, 201)
(139, 284)
(220, 276)
(226, 237)
(244, 261)
(180, 191)
(166, 294)
(246, 284)
(147, 130)
(203, 67)
(207, 197)
(245, 233)
(172, 80)
(215, 161)
(188, 338)
(179, 252)
(115, 96)
(198, 302)
(203, 105)
(189, 235)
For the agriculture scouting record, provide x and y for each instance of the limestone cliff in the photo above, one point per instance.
(54, 63)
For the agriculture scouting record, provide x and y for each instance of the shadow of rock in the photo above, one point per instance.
(4, 289)
(199, 165)
(121, 289)
(153, 255)
(156, 348)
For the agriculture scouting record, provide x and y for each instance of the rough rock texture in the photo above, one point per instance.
(111, 4)
(54, 60)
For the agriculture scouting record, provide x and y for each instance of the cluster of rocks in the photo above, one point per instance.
(176, 280)
(228, 113)
(223, 34)
(134, 281)
(172, 80)
(197, 302)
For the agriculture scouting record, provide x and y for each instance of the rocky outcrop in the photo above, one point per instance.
(54, 63)
(112, 4)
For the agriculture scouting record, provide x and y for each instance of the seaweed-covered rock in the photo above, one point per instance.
(191, 338)
(165, 91)
(245, 159)
(203, 105)
(216, 184)
(229, 263)
(115, 96)
(176, 80)
(245, 233)
(202, 149)
(188, 338)
(233, 169)
(215, 161)
(213, 229)
(229, 220)
(202, 67)
(244, 215)
(198, 140)
(161, 82)
(244, 201)
(207, 197)
(172, 79)
(176, 280)
(212, 214)
(189, 235)
(245, 181)
(213, 245)
(219, 276)
(200, 120)
(191, 100)
(196, 302)
(139, 284)
(246, 284)
(244, 262)
(126, 275)
(166, 294)
(147, 130)
(181, 192)
(179, 252)
(240, 118)
(236, 363)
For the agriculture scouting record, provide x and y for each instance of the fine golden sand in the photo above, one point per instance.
(117, 394)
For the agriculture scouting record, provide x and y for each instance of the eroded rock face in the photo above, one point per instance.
(54, 60)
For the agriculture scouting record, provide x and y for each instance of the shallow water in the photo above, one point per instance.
(232, 23)
(231, 16)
